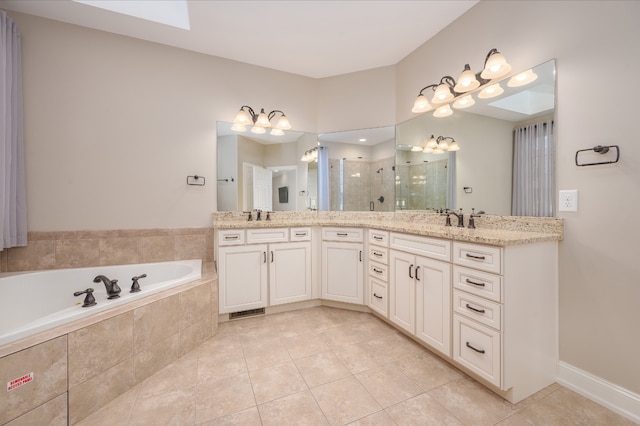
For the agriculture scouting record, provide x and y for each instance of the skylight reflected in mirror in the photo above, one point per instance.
(174, 13)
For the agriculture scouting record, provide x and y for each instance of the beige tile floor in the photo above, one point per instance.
(322, 366)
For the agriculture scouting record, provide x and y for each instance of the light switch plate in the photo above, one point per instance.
(568, 200)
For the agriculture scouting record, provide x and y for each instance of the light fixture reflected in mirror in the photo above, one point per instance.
(464, 102)
(522, 79)
(491, 91)
(260, 122)
(440, 145)
(443, 111)
(310, 155)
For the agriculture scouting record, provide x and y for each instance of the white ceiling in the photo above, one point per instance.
(310, 38)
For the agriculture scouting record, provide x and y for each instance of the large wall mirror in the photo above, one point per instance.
(480, 174)
(360, 169)
(264, 172)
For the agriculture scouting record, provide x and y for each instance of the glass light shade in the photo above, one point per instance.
(239, 128)
(428, 150)
(283, 123)
(442, 94)
(276, 132)
(443, 145)
(263, 120)
(258, 130)
(443, 111)
(421, 104)
(467, 81)
(491, 91)
(438, 151)
(304, 157)
(242, 118)
(431, 143)
(495, 67)
(522, 79)
(416, 148)
(453, 146)
(464, 102)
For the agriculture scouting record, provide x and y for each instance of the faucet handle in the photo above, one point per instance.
(89, 300)
(472, 222)
(447, 222)
(249, 217)
(135, 285)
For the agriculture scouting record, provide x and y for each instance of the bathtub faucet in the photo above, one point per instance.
(113, 289)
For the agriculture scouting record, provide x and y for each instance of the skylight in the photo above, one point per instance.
(174, 13)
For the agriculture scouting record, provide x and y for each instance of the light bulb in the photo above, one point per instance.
(491, 91)
(443, 111)
(464, 102)
(421, 104)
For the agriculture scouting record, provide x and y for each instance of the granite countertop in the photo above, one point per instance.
(491, 236)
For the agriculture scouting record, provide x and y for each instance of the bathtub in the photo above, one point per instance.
(32, 302)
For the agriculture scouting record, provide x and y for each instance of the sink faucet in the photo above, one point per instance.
(258, 214)
(113, 289)
(459, 215)
(472, 223)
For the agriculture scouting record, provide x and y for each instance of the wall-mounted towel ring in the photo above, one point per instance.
(600, 150)
(196, 180)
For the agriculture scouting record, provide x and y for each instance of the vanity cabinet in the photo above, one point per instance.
(378, 271)
(260, 267)
(420, 289)
(343, 265)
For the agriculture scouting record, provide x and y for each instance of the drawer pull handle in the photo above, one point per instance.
(271, 256)
(342, 234)
(377, 271)
(360, 255)
(265, 256)
(376, 296)
(480, 311)
(417, 269)
(475, 257)
(480, 351)
(474, 283)
(410, 270)
(375, 253)
(231, 237)
(301, 234)
(377, 237)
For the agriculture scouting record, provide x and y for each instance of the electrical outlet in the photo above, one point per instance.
(568, 201)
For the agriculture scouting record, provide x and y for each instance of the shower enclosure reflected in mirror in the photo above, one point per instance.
(480, 174)
(256, 171)
(361, 169)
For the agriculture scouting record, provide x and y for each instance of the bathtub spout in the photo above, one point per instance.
(113, 289)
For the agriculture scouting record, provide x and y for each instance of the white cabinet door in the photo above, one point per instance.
(289, 272)
(402, 285)
(242, 274)
(342, 272)
(433, 303)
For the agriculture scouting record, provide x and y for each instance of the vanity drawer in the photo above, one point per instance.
(379, 254)
(485, 258)
(378, 300)
(477, 348)
(230, 237)
(479, 283)
(380, 238)
(301, 234)
(482, 310)
(379, 271)
(343, 234)
(431, 247)
(267, 235)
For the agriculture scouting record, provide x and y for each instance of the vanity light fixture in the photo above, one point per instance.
(260, 122)
(441, 145)
(310, 155)
(491, 91)
(447, 90)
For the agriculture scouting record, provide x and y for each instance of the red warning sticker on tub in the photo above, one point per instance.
(16, 383)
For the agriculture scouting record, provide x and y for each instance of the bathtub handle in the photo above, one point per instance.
(89, 300)
(135, 285)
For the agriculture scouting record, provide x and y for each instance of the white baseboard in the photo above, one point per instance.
(615, 398)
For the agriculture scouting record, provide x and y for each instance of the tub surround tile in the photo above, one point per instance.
(48, 362)
(156, 357)
(156, 249)
(77, 253)
(97, 348)
(194, 335)
(52, 413)
(156, 322)
(194, 305)
(36, 256)
(87, 397)
(118, 251)
(190, 247)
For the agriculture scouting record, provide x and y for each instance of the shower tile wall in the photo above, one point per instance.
(422, 186)
(361, 184)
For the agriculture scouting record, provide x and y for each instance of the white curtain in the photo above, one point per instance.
(13, 211)
(323, 178)
(534, 170)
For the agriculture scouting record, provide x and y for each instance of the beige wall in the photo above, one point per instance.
(114, 125)
(595, 44)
